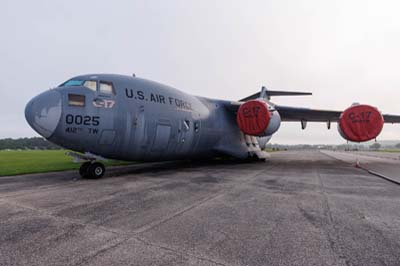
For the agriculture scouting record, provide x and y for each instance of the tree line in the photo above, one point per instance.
(38, 143)
(35, 143)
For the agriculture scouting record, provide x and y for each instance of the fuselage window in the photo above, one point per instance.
(91, 84)
(196, 126)
(106, 87)
(76, 100)
(186, 125)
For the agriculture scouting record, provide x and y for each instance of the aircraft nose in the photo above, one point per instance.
(43, 112)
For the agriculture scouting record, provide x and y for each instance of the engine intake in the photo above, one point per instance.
(360, 123)
(255, 118)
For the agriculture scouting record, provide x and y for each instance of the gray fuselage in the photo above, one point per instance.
(130, 118)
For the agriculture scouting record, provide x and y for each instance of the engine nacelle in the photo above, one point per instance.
(360, 123)
(255, 118)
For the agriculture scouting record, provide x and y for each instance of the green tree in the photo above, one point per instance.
(375, 146)
(27, 143)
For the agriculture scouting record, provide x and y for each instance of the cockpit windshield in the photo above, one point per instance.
(90, 84)
(72, 82)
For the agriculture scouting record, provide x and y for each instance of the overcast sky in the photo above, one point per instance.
(343, 51)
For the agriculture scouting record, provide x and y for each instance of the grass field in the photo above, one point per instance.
(390, 150)
(38, 161)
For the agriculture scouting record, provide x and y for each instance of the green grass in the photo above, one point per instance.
(39, 161)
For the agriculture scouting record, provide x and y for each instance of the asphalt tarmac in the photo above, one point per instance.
(300, 208)
(383, 163)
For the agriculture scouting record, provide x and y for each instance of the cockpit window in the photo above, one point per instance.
(76, 100)
(91, 84)
(106, 87)
(72, 82)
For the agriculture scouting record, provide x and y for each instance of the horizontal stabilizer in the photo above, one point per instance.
(264, 93)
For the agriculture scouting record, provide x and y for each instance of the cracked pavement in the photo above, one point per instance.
(300, 208)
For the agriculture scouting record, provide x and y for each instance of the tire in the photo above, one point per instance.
(83, 170)
(96, 170)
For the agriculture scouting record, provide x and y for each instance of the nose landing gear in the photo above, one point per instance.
(92, 170)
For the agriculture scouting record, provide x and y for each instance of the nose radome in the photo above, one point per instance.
(43, 112)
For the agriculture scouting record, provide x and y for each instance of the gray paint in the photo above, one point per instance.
(160, 123)
(149, 121)
(47, 112)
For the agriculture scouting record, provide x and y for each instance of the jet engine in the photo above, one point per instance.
(256, 118)
(360, 123)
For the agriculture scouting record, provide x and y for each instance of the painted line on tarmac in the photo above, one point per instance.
(379, 175)
(358, 165)
(377, 156)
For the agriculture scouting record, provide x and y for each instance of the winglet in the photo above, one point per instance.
(267, 94)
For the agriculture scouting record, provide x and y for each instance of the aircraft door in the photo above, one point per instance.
(161, 138)
(106, 108)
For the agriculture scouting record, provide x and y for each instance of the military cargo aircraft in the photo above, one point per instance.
(130, 118)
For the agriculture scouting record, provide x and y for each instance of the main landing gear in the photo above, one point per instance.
(92, 170)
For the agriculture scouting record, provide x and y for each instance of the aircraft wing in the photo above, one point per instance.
(269, 93)
(289, 113)
(313, 115)
(394, 119)
(304, 114)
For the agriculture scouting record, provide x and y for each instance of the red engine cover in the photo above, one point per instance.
(361, 123)
(253, 117)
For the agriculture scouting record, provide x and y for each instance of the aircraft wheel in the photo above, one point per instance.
(96, 170)
(83, 170)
